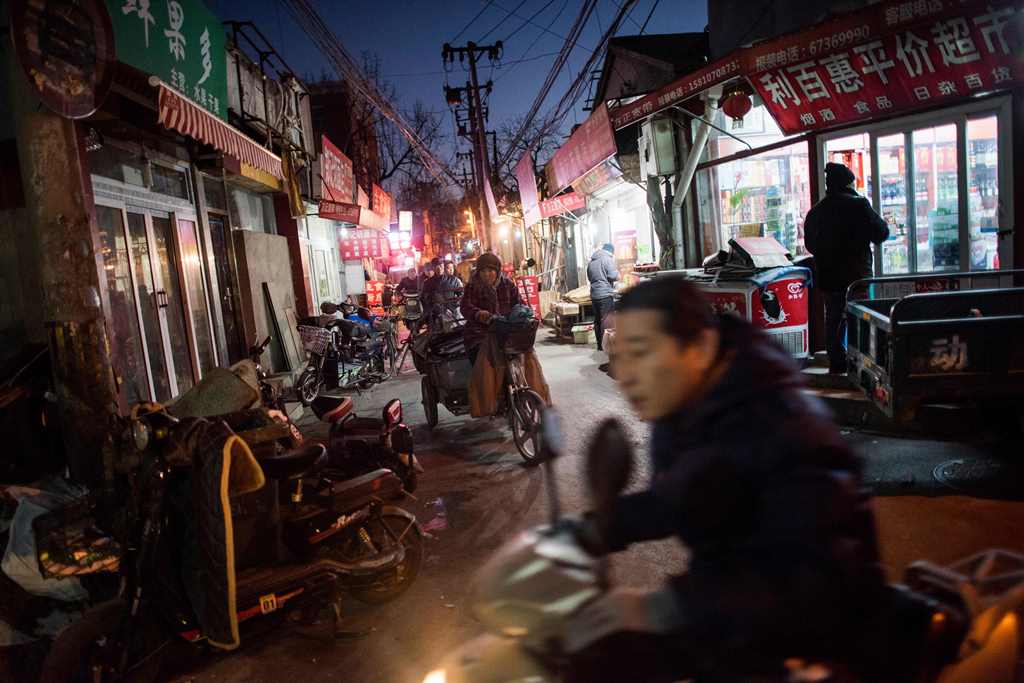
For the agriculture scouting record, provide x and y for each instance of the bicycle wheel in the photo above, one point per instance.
(392, 352)
(524, 417)
(308, 386)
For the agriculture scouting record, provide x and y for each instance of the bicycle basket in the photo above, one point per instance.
(314, 339)
(69, 544)
(520, 338)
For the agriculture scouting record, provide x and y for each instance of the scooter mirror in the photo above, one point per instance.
(609, 463)
(327, 308)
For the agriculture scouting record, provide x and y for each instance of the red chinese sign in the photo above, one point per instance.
(677, 91)
(603, 175)
(360, 244)
(529, 290)
(375, 296)
(381, 203)
(339, 211)
(883, 58)
(821, 82)
(592, 143)
(526, 176)
(336, 180)
(556, 206)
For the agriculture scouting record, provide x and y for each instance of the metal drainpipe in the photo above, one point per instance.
(685, 177)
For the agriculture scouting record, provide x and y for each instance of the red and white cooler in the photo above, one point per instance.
(774, 299)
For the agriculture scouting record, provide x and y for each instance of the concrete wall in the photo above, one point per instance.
(264, 258)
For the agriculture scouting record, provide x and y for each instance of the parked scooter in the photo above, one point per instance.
(313, 539)
(964, 628)
(343, 352)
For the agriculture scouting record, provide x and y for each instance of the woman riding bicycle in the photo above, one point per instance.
(489, 293)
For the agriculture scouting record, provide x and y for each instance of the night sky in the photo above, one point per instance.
(408, 35)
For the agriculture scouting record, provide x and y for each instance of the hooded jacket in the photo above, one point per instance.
(839, 231)
(602, 275)
(478, 296)
(757, 482)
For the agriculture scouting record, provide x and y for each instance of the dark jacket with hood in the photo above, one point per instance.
(757, 482)
(839, 231)
(478, 296)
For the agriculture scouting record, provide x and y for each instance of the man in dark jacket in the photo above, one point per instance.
(602, 275)
(839, 230)
(489, 293)
(751, 474)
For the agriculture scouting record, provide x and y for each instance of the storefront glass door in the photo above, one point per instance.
(191, 265)
(937, 188)
(172, 305)
(149, 309)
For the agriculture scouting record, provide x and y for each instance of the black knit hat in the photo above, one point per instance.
(489, 261)
(838, 176)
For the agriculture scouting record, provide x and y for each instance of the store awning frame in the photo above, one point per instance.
(177, 112)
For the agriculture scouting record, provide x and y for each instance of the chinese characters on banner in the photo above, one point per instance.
(592, 143)
(381, 203)
(821, 82)
(556, 206)
(362, 244)
(375, 296)
(529, 290)
(526, 176)
(336, 176)
(339, 211)
(179, 41)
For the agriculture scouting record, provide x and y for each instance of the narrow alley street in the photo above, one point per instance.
(476, 494)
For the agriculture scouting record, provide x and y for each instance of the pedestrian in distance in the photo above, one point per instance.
(839, 231)
(602, 275)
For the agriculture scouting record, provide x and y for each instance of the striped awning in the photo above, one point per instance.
(183, 115)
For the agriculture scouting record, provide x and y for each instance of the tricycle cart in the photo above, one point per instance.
(936, 338)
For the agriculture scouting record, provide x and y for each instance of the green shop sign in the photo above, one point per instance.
(180, 41)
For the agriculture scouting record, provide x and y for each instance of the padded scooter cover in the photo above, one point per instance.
(220, 466)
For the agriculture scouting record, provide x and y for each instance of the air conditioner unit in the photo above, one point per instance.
(658, 148)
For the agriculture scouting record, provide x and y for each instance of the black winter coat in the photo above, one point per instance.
(839, 231)
(757, 482)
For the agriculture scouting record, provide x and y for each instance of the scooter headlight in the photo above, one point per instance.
(140, 434)
(436, 676)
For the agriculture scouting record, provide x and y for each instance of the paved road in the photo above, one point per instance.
(476, 477)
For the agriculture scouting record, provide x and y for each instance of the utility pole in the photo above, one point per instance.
(473, 53)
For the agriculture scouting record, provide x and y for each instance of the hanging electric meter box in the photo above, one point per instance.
(658, 148)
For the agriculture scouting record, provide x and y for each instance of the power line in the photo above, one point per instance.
(532, 17)
(503, 20)
(630, 18)
(477, 16)
(498, 66)
(649, 15)
(586, 5)
(535, 41)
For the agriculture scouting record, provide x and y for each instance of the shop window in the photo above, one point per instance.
(765, 194)
(115, 163)
(892, 186)
(936, 198)
(169, 181)
(252, 211)
(983, 191)
(216, 198)
(854, 152)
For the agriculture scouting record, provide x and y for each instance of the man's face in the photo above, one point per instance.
(657, 374)
(412, 273)
(449, 268)
(489, 276)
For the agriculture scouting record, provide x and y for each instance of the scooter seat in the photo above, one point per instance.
(332, 409)
(295, 463)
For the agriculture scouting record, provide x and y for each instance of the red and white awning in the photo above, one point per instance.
(185, 116)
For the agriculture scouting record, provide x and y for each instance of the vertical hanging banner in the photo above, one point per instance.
(337, 181)
(932, 54)
(526, 176)
(179, 41)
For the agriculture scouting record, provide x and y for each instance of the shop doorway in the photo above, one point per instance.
(936, 181)
(234, 332)
(159, 313)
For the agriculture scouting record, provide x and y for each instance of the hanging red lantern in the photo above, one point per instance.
(736, 103)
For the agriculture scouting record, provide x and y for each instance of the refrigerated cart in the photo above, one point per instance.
(936, 338)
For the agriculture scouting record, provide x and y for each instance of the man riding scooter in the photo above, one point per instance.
(753, 477)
